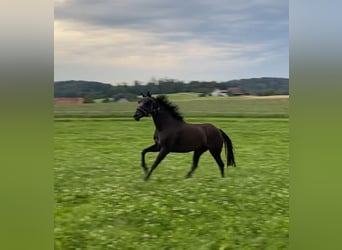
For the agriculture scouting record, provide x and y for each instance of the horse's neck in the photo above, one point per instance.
(163, 120)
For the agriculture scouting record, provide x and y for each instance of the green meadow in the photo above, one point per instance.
(190, 104)
(102, 201)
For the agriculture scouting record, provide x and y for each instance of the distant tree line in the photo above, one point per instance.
(98, 90)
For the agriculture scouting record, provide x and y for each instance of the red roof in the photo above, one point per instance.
(235, 91)
(68, 100)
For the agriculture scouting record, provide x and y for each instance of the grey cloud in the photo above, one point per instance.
(213, 20)
(225, 38)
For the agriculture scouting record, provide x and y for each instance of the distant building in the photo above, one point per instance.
(219, 92)
(68, 100)
(122, 100)
(235, 92)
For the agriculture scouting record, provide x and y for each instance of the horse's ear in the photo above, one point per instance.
(148, 94)
(142, 94)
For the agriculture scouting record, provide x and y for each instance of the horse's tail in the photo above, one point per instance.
(228, 145)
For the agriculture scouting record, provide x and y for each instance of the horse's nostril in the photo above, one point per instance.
(136, 117)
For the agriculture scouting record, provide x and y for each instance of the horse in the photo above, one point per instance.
(173, 134)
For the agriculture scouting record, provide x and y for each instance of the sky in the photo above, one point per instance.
(124, 41)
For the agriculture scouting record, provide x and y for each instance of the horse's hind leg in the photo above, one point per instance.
(195, 160)
(153, 148)
(217, 156)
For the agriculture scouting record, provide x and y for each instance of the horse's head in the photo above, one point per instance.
(147, 106)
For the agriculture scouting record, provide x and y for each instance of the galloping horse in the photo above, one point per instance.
(173, 134)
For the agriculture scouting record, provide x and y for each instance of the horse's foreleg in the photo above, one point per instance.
(153, 148)
(162, 153)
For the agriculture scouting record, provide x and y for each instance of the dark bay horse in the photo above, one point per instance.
(173, 134)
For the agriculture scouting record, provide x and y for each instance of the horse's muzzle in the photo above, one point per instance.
(140, 113)
(137, 116)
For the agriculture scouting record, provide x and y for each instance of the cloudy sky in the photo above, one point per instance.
(121, 41)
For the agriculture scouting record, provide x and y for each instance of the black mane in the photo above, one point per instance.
(171, 108)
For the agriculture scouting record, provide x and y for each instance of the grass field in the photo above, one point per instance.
(102, 201)
(190, 105)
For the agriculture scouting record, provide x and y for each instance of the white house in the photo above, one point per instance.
(219, 92)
